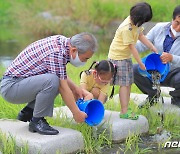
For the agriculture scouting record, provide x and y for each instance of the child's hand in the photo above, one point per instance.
(153, 49)
(142, 66)
(87, 95)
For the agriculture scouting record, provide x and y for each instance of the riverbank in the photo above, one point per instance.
(37, 19)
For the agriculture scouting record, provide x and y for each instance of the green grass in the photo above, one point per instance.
(94, 144)
(96, 12)
(74, 16)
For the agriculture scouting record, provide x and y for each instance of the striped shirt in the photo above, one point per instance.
(48, 55)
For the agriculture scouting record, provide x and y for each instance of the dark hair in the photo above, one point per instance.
(176, 12)
(103, 67)
(141, 13)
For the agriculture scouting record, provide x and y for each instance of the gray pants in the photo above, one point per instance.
(38, 91)
(145, 85)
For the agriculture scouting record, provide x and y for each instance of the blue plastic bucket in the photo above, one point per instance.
(94, 110)
(153, 62)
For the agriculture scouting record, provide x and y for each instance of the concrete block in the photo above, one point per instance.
(139, 98)
(67, 141)
(120, 127)
(166, 90)
(165, 107)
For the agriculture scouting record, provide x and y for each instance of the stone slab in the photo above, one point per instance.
(120, 127)
(139, 98)
(166, 107)
(166, 90)
(67, 141)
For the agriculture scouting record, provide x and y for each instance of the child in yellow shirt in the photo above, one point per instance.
(123, 46)
(97, 80)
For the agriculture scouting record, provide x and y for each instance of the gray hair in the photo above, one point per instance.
(84, 42)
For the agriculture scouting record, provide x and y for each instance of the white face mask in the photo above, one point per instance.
(76, 62)
(176, 34)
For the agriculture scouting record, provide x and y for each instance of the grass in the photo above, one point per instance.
(70, 17)
(74, 17)
(94, 143)
(132, 145)
(8, 145)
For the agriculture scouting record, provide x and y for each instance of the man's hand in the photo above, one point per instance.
(80, 116)
(166, 57)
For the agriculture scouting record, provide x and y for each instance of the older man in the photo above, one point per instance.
(38, 74)
(166, 38)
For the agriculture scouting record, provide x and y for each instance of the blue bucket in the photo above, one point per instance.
(153, 63)
(94, 110)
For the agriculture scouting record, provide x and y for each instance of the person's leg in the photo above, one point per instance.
(124, 93)
(41, 88)
(143, 83)
(173, 80)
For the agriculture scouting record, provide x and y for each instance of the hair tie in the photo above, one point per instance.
(97, 62)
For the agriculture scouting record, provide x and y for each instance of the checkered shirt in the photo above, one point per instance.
(48, 55)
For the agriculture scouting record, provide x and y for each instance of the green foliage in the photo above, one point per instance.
(8, 145)
(94, 139)
(132, 145)
(22, 18)
(8, 110)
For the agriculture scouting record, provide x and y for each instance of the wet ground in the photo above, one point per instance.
(147, 146)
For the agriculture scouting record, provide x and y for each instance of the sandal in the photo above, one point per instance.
(129, 110)
(129, 115)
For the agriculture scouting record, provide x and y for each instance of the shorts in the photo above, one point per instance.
(124, 75)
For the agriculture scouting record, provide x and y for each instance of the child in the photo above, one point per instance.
(97, 81)
(121, 48)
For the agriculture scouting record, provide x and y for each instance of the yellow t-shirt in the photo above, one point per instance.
(126, 34)
(91, 83)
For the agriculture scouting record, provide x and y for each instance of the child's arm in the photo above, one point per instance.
(102, 97)
(146, 42)
(88, 95)
(83, 85)
(136, 56)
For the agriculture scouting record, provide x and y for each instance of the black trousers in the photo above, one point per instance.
(172, 80)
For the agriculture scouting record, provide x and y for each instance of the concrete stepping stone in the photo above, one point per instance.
(139, 98)
(165, 107)
(166, 90)
(67, 141)
(120, 127)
